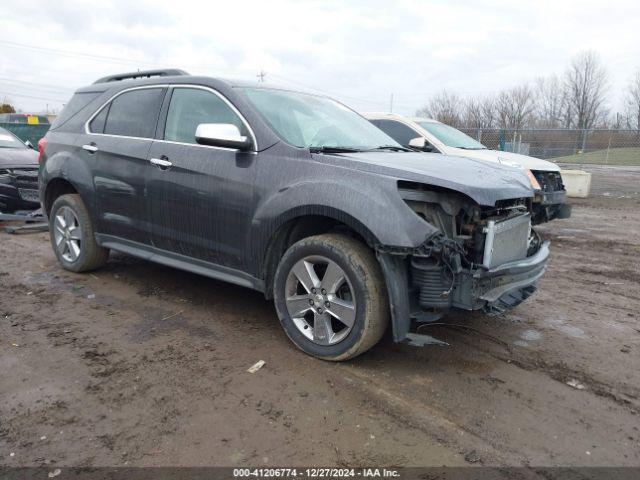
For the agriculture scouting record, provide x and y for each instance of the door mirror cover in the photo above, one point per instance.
(224, 135)
(421, 144)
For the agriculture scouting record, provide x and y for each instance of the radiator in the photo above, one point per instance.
(506, 240)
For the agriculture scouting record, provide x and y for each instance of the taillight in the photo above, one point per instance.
(42, 144)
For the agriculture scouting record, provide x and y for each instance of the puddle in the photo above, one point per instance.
(561, 325)
(574, 332)
(530, 335)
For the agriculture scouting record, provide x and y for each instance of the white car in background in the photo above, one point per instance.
(429, 135)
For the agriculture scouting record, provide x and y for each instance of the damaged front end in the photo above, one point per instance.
(480, 258)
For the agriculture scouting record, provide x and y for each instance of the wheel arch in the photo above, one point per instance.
(55, 188)
(302, 222)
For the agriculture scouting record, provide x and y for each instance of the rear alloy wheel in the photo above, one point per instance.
(67, 234)
(72, 235)
(331, 297)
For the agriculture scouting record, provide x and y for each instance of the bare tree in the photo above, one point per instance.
(585, 84)
(632, 103)
(479, 113)
(551, 102)
(514, 107)
(472, 116)
(489, 112)
(445, 107)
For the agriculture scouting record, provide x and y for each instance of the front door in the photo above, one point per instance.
(200, 197)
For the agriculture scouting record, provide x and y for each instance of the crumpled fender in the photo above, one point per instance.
(350, 202)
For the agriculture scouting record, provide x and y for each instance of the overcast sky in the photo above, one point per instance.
(357, 51)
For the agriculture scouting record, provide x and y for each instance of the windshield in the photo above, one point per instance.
(9, 140)
(451, 137)
(312, 121)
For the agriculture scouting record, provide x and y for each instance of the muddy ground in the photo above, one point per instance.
(138, 364)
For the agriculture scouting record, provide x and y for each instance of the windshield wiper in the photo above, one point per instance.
(471, 148)
(394, 148)
(328, 149)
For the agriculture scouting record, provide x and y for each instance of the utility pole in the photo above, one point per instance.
(261, 76)
(391, 104)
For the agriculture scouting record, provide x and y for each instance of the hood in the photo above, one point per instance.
(530, 163)
(484, 182)
(18, 157)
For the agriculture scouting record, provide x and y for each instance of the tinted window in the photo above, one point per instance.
(451, 136)
(190, 107)
(396, 130)
(135, 113)
(98, 122)
(78, 102)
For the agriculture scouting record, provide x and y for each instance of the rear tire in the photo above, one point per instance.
(72, 236)
(331, 297)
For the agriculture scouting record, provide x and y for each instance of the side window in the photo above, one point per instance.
(190, 107)
(134, 113)
(396, 130)
(97, 124)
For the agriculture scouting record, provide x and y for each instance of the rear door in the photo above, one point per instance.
(117, 144)
(200, 202)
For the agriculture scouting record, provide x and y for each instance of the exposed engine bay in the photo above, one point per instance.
(482, 258)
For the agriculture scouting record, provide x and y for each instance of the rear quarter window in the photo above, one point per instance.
(75, 105)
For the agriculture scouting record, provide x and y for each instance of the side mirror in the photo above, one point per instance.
(30, 145)
(421, 144)
(222, 135)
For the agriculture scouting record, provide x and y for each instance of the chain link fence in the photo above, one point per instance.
(597, 146)
(25, 132)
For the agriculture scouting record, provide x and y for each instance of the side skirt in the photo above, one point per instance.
(181, 262)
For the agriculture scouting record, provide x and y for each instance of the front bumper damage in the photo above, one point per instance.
(548, 206)
(550, 201)
(421, 291)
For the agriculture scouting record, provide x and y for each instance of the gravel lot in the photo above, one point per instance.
(138, 364)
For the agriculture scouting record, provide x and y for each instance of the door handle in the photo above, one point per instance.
(91, 147)
(161, 162)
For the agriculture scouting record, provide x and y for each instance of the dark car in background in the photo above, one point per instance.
(18, 174)
(291, 194)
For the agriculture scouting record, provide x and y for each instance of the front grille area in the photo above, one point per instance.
(24, 178)
(506, 240)
(549, 181)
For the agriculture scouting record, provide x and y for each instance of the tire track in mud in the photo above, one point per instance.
(429, 420)
(562, 373)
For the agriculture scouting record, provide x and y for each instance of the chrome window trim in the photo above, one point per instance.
(172, 87)
(95, 114)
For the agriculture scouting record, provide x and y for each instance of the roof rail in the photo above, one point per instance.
(141, 74)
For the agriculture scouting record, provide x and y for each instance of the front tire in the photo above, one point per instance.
(72, 236)
(331, 297)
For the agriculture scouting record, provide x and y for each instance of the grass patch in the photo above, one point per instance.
(616, 156)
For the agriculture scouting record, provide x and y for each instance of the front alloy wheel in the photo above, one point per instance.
(331, 297)
(324, 310)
